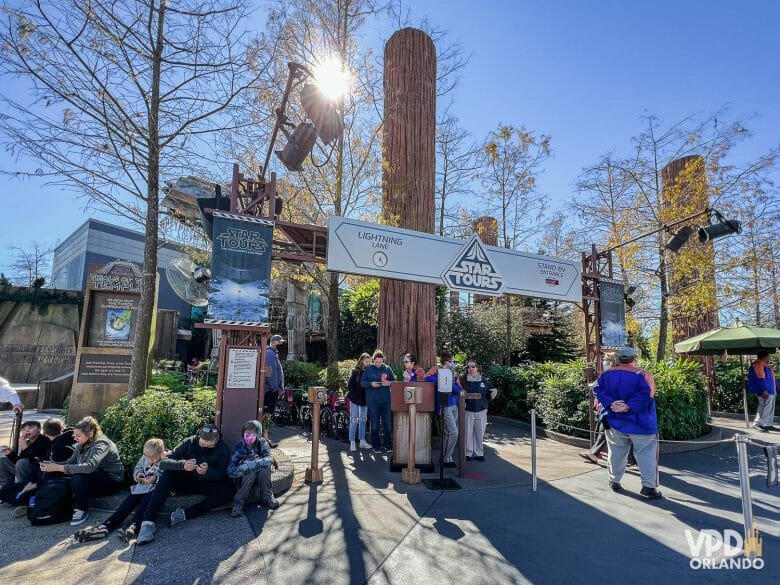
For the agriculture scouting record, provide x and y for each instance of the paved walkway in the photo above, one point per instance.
(363, 526)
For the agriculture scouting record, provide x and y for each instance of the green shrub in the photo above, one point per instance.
(301, 374)
(336, 375)
(680, 399)
(168, 415)
(562, 397)
(728, 396)
(515, 385)
(167, 381)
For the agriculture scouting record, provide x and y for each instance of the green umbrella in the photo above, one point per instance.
(736, 340)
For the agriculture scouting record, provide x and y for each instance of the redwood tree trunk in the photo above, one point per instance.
(407, 310)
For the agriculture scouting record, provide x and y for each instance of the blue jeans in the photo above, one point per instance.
(357, 422)
(377, 410)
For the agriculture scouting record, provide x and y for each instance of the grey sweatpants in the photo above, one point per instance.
(765, 415)
(645, 451)
(255, 484)
(450, 431)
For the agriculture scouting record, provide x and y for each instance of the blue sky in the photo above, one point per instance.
(581, 71)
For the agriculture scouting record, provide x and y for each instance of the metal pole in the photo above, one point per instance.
(533, 449)
(744, 482)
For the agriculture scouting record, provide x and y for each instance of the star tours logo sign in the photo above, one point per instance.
(472, 271)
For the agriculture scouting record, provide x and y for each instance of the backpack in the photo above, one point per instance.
(51, 504)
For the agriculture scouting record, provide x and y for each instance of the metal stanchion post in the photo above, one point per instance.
(533, 449)
(314, 473)
(744, 482)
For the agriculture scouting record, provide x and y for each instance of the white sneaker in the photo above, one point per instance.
(352, 446)
(79, 517)
(365, 445)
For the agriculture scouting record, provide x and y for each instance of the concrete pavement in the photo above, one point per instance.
(363, 526)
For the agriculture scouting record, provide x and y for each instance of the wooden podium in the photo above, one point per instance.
(422, 452)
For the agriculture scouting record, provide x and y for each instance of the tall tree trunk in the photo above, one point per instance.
(663, 322)
(407, 310)
(140, 366)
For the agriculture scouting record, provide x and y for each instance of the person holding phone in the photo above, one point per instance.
(24, 466)
(377, 379)
(146, 474)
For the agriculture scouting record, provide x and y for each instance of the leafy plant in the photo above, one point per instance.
(299, 374)
(168, 381)
(168, 415)
(680, 399)
(336, 375)
(562, 398)
(728, 395)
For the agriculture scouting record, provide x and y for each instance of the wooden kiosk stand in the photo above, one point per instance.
(423, 410)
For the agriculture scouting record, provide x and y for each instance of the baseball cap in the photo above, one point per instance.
(208, 432)
(278, 338)
(626, 352)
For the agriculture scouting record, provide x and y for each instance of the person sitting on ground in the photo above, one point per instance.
(24, 466)
(377, 379)
(358, 411)
(146, 475)
(251, 461)
(198, 465)
(450, 411)
(95, 468)
(60, 449)
(476, 409)
(8, 394)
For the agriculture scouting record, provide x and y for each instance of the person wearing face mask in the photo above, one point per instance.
(198, 465)
(251, 461)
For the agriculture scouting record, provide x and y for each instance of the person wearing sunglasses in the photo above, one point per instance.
(476, 409)
(198, 465)
(412, 371)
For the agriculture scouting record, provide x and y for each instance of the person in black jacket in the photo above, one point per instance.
(198, 465)
(358, 411)
(24, 467)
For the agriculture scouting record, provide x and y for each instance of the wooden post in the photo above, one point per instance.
(408, 186)
(410, 473)
(313, 472)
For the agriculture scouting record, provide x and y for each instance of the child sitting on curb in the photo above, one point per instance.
(251, 461)
(145, 474)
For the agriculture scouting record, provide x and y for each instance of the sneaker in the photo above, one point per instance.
(146, 534)
(615, 486)
(79, 517)
(450, 464)
(352, 446)
(177, 517)
(238, 509)
(589, 457)
(91, 533)
(20, 512)
(468, 457)
(387, 449)
(126, 534)
(480, 457)
(377, 450)
(365, 445)
(272, 504)
(761, 428)
(650, 493)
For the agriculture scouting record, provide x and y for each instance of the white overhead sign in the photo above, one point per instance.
(369, 249)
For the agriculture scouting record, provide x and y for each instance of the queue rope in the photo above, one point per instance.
(716, 442)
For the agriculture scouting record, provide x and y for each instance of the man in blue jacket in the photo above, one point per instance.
(626, 394)
(377, 379)
(762, 383)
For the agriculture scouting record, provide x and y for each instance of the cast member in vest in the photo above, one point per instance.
(476, 410)
(762, 383)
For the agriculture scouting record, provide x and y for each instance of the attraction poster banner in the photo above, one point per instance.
(613, 314)
(113, 319)
(240, 269)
